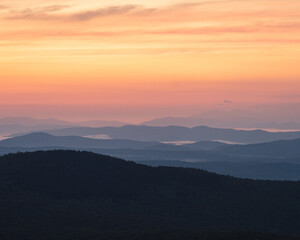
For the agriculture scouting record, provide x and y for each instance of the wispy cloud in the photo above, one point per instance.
(50, 13)
(54, 8)
(182, 12)
(39, 13)
(216, 49)
(114, 10)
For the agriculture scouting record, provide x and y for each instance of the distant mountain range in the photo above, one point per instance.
(101, 123)
(275, 160)
(165, 129)
(28, 121)
(41, 140)
(175, 133)
(37, 140)
(220, 123)
(80, 195)
(15, 125)
(276, 150)
(12, 129)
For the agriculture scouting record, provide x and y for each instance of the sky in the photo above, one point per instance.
(133, 60)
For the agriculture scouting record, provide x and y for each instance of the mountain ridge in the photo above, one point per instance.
(41, 139)
(177, 133)
(79, 192)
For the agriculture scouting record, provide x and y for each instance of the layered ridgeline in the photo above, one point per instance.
(81, 195)
(176, 133)
(232, 121)
(279, 160)
(275, 150)
(47, 140)
(15, 125)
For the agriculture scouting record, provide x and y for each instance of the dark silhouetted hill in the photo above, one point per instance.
(81, 195)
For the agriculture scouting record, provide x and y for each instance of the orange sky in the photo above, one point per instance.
(136, 54)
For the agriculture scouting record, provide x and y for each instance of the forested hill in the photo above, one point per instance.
(82, 195)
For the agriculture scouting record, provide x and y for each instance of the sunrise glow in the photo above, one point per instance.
(138, 54)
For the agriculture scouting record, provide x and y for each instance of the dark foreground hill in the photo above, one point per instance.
(81, 195)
